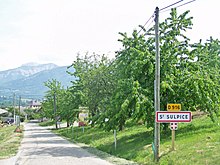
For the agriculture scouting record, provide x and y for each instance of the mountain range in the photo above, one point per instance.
(28, 80)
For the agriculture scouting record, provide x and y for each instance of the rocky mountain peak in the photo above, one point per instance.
(24, 71)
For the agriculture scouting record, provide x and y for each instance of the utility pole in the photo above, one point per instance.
(55, 109)
(157, 88)
(19, 110)
(14, 106)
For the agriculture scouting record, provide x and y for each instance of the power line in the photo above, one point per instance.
(176, 6)
(150, 24)
(185, 3)
(142, 27)
(152, 16)
(165, 11)
(171, 5)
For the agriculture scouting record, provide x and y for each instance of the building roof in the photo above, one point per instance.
(35, 103)
(2, 111)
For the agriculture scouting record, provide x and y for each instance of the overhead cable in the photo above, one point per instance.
(176, 6)
(171, 5)
(185, 3)
(152, 16)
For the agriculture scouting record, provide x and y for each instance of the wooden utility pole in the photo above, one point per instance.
(55, 109)
(14, 106)
(157, 88)
(19, 106)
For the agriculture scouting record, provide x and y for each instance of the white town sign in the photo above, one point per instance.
(167, 117)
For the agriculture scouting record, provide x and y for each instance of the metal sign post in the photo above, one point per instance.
(173, 140)
(72, 132)
(173, 127)
(115, 139)
(173, 115)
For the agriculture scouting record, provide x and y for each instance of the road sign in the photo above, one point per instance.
(173, 126)
(173, 107)
(168, 117)
(83, 116)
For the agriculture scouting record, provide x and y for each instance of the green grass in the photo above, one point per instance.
(47, 123)
(9, 141)
(196, 143)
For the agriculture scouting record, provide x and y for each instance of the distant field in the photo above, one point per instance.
(9, 141)
(196, 143)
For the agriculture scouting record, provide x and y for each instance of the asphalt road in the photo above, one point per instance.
(42, 147)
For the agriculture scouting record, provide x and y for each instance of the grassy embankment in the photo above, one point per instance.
(47, 123)
(9, 141)
(196, 143)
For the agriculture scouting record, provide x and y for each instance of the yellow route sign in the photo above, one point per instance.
(173, 107)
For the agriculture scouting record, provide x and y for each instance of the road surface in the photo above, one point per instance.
(42, 147)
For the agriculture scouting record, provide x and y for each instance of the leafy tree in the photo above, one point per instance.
(132, 69)
(52, 99)
(93, 85)
(182, 76)
(68, 106)
(123, 89)
(30, 113)
(203, 80)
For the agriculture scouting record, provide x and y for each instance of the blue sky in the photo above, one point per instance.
(45, 31)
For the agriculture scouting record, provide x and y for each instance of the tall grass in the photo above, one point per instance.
(9, 141)
(197, 142)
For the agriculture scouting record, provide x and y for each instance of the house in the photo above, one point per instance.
(35, 104)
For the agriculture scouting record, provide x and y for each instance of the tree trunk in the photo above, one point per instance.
(56, 124)
(121, 125)
(67, 123)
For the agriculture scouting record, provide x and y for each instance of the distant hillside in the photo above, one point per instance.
(24, 71)
(32, 86)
